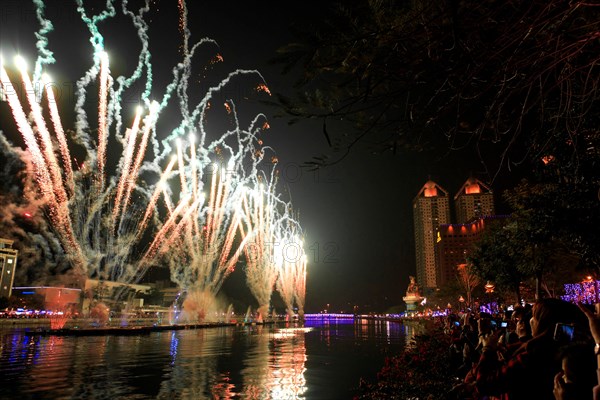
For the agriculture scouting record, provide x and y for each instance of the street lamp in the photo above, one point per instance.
(489, 289)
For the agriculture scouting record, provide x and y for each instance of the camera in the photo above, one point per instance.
(564, 332)
(503, 324)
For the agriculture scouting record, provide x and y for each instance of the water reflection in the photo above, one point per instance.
(411, 329)
(194, 371)
(319, 360)
(286, 373)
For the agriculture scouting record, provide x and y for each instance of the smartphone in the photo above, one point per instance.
(564, 332)
(494, 324)
(503, 324)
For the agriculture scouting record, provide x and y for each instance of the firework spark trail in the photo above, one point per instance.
(54, 194)
(97, 41)
(130, 138)
(45, 56)
(210, 210)
(183, 25)
(60, 205)
(46, 142)
(184, 221)
(155, 195)
(229, 237)
(264, 223)
(292, 266)
(144, 63)
(218, 209)
(168, 202)
(182, 86)
(88, 212)
(43, 177)
(201, 273)
(60, 134)
(300, 283)
(193, 166)
(198, 116)
(106, 224)
(285, 281)
(158, 239)
(102, 117)
(184, 189)
(194, 173)
(149, 123)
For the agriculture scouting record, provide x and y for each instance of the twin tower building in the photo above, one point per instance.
(440, 245)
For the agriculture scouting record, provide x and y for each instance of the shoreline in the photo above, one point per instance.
(138, 330)
(143, 326)
(88, 327)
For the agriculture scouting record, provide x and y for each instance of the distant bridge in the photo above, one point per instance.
(379, 317)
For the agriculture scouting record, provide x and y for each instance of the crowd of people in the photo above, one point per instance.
(548, 350)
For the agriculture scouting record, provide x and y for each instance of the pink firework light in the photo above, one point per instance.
(263, 219)
(60, 133)
(291, 259)
(99, 218)
(201, 263)
(44, 161)
(56, 179)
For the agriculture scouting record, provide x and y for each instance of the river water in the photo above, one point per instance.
(319, 360)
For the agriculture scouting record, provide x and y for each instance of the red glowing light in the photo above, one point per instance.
(27, 215)
(431, 191)
(473, 188)
(547, 159)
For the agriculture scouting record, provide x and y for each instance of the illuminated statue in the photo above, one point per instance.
(412, 295)
(413, 288)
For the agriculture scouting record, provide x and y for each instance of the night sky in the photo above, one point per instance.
(357, 214)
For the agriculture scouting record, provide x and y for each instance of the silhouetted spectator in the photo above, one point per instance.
(529, 373)
(578, 376)
(594, 325)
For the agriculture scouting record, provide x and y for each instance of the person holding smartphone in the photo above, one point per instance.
(529, 372)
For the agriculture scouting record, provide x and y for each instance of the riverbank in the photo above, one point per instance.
(88, 326)
(420, 371)
(283, 360)
(78, 323)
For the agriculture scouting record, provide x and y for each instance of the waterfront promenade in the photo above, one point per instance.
(142, 324)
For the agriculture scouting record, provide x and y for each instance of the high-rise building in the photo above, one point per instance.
(473, 200)
(8, 264)
(431, 208)
(455, 242)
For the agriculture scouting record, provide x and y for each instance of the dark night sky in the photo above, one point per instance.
(357, 215)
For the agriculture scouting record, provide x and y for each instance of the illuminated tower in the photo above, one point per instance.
(8, 263)
(453, 243)
(430, 209)
(473, 200)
